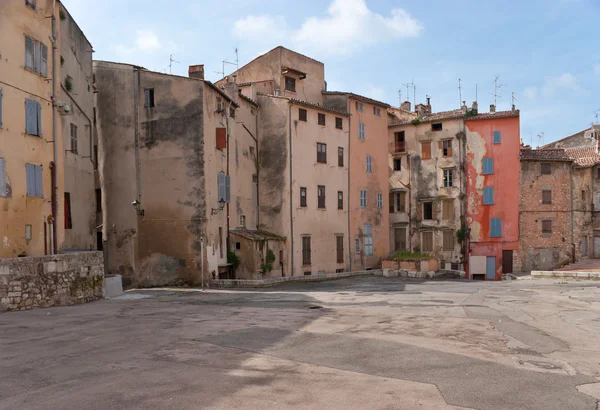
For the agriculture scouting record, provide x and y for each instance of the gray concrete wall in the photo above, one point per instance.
(58, 280)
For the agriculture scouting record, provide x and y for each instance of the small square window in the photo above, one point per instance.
(339, 123)
(27, 232)
(436, 126)
(360, 107)
(290, 84)
(546, 168)
(302, 116)
(149, 98)
(546, 226)
(397, 164)
(321, 119)
(238, 246)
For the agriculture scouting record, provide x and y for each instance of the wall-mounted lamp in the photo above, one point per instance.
(136, 204)
(215, 211)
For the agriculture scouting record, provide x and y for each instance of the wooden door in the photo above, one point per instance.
(507, 261)
(400, 239)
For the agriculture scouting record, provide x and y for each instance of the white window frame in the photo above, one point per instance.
(380, 201)
(363, 198)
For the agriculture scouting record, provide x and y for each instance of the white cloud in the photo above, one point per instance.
(597, 68)
(146, 41)
(565, 81)
(349, 26)
(531, 93)
(373, 91)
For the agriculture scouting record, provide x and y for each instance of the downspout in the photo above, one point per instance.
(572, 221)
(138, 164)
(227, 171)
(409, 202)
(257, 173)
(54, 165)
(291, 190)
(463, 164)
(348, 196)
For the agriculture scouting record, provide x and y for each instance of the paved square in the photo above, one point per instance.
(361, 343)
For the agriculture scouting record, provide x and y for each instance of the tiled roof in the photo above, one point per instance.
(255, 235)
(250, 100)
(544, 155)
(584, 157)
(358, 97)
(572, 141)
(214, 87)
(497, 114)
(317, 106)
(442, 115)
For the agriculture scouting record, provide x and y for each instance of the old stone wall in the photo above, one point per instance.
(56, 280)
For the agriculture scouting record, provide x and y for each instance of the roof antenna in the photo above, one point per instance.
(597, 115)
(459, 92)
(400, 97)
(540, 139)
(496, 88)
(171, 61)
(514, 99)
(407, 94)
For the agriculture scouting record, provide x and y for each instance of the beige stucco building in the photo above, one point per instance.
(36, 143)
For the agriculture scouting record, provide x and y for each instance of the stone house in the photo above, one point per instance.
(46, 106)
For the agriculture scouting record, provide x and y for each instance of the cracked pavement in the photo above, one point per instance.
(366, 342)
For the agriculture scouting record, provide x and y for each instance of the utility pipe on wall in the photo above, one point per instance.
(54, 165)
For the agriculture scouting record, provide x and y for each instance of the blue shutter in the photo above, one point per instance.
(39, 118)
(30, 176)
(496, 228)
(497, 137)
(227, 188)
(488, 196)
(488, 166)
(39, 191)
(30, 117)
(221, 185)
(0, 107)
(2, 178)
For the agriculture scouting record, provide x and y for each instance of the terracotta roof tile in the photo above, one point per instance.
(544, 155)
(584, 157)
(497, 114)
(358, 97)
(250, 100)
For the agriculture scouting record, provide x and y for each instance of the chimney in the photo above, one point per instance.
(405, 106)
(492, 108)
(475, 107)
(420, 109)
(463, 107)
(196, 71)
(514, 108)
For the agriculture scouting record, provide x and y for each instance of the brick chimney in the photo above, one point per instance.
(405, 106)
(196, 71)
(475, 107)
(492, 108)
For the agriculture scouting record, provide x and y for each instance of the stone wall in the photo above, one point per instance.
(56, 280)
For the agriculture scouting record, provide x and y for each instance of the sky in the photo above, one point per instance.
(546, 52)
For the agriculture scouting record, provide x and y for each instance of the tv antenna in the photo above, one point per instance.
(236, 64)
(400, 97)
(497, 86)
(171, 61)
(514, 99)
(597, 115)
(540, 139)
(459, 93)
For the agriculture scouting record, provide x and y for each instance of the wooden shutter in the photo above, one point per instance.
(30, 117)
(449, 143)
(2, 178)
(221, 138)
(546, 196)
(30, 176)
(340, 248)
(547, 226)
(38, 109)
(488, 196)
(497, 137)
(448, 240)
(427, 245)
(546, 168)
(448, 209)
(426, 150)
(496, 228)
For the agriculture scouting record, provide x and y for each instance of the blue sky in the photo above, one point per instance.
(545, 51)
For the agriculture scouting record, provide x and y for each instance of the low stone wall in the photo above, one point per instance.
(261, 283)
(565, 274)
(415, 265)
(56, 280)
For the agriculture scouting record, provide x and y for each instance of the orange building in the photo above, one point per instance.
(492, 192)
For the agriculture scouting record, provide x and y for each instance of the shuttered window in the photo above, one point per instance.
(2, 178)
(321, 153)
(306, 251)
(488, 166)
(302, 115)
(224, 187)
(369, 164)
(496, 228)
(43, 60)
(34, 180)
(340, 156)
(547, 226)
(361, 130)
(497, 137)
(360, 107)
(448, 209)
(380, 201)
(356, 245)
(447, 148)
(339, 124)
(33, 117)
(400, 142)
(339, 246)
(368, 239)
(321, 196)
(321, 119)
(546, 196)
(488, 196)
(303, 197)
(340, 200)
(546, 168)
(74, 138)
(448, 237)
(363, 198)
(29, 52)
(36, 56)
(400, 201)
(427, 241)
(426, 150)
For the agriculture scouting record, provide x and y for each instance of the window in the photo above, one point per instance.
(583, 195)
(495, 228)
(361, 131)
(448, 209)
(307, 273)
(436, 126)
(497, 137)
(43, 60)
(221, 137)
(488, 196)
(339, 123)
(488, 166)
(448, 237)
(400, 142)
(546, 168)
(400, 201)
(368, 239)
(427, 241)
(68, 220)
(447, 178)
(220, 105)
(321, 153)
(290, 84)
(340, 156)
(397, 164)
(238, 245)
(36, 56)
(546, 196)
(149, 97)
(363, 198)
(95, 157)
(369, 164)
(360, 107)
(321, 196)
(243, 221)
(29, 52)
(221, 242)
(302, 115)
(2, 178)
(98, 200)
(427, 211)
(30, 3)
(231, 110)
(547, 226)
(377, 111)
(339, 247)
(224, 187)
(340, 200)
(33, 117)
(303, 197)
(426, 150)
(447, 148)
(356, 245)
(306, 250)
(74, 138)
(34, 180)
(28, 232)
(0, 107)
(380, 201)
(321, 119)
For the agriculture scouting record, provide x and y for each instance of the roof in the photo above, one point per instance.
(493, 115)
(301, 74)
(544, 155)
(357, 97)
(250, 100)
(584, 157)
(214, 87)
(256, 235)
(319, 107)
(457, 114)
(573, 141)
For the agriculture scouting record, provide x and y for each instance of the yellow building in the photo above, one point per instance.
(33, 131)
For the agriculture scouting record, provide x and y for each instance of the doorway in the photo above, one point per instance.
(400, 239)
(596, 246)
(507, 261)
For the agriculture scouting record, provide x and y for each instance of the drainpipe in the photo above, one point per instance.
(138, 164)
(348, 196)
(572, 221)
(463, 165)
(409, 201)
(54, 164)
(291, 190)
(227, 170)
(257, 173)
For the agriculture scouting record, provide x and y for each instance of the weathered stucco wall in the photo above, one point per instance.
(58, 280)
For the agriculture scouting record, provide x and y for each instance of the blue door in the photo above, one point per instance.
(490, 267)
